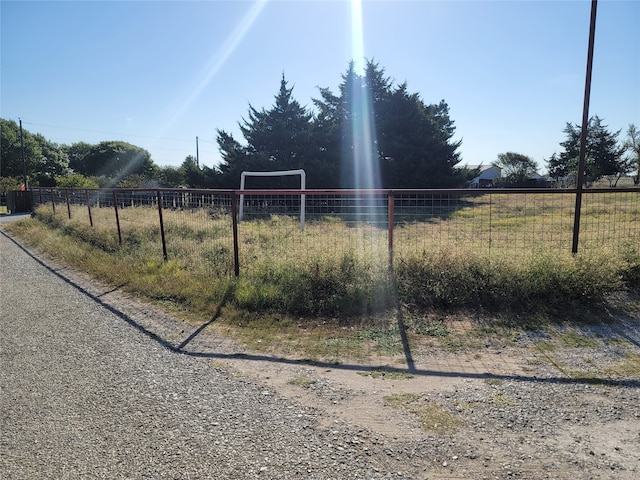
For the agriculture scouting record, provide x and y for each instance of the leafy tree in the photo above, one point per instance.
(76, 180)
(632, 146)
(52, 162)
(516, 168)
(77, 153)
(171, 177)
(603, 155)
(196, 176)
(10, 183)
(11, 164)
(116, 160)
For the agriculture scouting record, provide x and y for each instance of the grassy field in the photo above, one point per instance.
(499, 255)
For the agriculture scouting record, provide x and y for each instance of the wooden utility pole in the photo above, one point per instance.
(197, 154)
(24, 163)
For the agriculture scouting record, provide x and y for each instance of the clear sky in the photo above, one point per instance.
(159, 73)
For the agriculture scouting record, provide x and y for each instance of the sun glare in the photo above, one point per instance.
(219, 58)
(364, 156)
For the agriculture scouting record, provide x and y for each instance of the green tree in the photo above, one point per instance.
(196, 176)
(116, 160)
(280, 138)
(52, 162)
(11, 162)
(171, 177)
(516, 168)
(77, 153)
(76, 180)
(412, 141)
(632, 146)
(603, 155)
(10, 183)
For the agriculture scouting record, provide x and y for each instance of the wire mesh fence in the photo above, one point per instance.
(201, 228)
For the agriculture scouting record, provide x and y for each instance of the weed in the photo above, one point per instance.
(387, 374)
(629, 367)
(433, 417)
(441, 262)
(571, 338)
(302, 381)
(545, 346)
(501, 399)
(493, 381)
(431, 329)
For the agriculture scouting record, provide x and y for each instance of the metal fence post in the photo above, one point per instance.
(66, 197)
(115, 206)
(86, 196)
(390, 208)
(234, 224)
(164, 243)
(583, 133)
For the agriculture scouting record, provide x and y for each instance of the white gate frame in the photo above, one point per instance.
(280, 173)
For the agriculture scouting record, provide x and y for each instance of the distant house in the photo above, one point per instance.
(488, 173)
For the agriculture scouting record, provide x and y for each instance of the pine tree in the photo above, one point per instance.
(411, 141)
(280, 138)
(603, 155)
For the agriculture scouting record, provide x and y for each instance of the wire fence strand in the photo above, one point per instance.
(379, 225)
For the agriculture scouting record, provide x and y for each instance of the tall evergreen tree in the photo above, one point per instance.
(280, 138)
(412, 141)
(603, 155)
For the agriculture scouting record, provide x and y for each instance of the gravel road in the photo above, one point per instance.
(85, 395)
(97, 385)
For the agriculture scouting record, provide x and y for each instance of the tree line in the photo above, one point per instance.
(370, 126)
(606, 157)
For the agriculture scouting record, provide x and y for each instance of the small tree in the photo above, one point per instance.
(516, 168)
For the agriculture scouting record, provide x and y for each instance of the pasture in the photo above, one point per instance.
(357, 254)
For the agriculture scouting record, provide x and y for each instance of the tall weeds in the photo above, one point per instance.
(328, 271)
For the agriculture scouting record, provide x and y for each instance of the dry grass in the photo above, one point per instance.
(491, 250)
(432, 416)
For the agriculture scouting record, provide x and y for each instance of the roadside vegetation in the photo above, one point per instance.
(333, 294)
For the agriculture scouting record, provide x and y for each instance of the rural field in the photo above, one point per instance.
(472, 249)
(459, 395)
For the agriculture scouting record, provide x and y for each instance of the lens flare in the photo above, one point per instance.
(191, 93)
(361, 161)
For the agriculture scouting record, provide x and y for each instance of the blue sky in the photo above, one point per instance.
(159, 73)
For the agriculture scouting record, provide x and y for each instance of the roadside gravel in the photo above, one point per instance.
(94, 384)
(84, 395)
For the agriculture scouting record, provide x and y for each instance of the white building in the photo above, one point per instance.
(488, 173)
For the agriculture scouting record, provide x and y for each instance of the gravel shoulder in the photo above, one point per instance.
(95, 384)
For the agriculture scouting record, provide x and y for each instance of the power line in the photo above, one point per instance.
(110, 133)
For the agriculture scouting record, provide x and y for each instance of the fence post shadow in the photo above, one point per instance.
(225, 298)
(411, 366)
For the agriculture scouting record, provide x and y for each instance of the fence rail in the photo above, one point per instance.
(201, 226)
